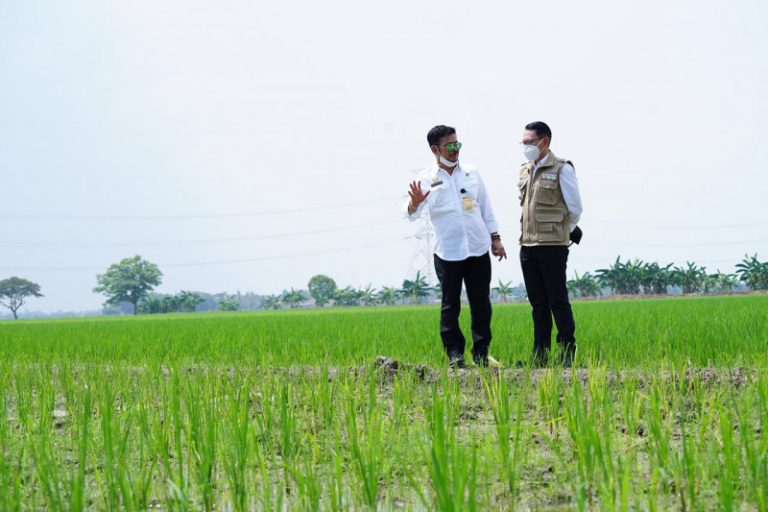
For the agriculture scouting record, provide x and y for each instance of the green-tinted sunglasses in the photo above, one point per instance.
(453, 146)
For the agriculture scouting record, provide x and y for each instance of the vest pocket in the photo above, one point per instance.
(549, 226)
(546, 192)
(521, 186)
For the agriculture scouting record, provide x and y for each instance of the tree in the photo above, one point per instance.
(387, 295)
(584, 286)
(271, 302)
(719, 282)
(322, 289)
(128, 281)
(416, 289)
(15, 291)
(367, 296)
(753, 273)
(188, 301)
(229, 303)
(294, 297)
(655, 279)
(504, 290)
(150, 305)
(347, 296)
(622, 278)
(690, 278)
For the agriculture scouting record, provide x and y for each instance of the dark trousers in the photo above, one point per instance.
(475, 273)
(545, 282)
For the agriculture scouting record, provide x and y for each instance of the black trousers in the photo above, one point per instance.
(545, 282)
(475, 273)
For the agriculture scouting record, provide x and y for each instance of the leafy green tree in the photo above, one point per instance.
(367, 296)
(271, 302)
(753, 273)
(294, 297)
(415, 290)
(690, 278)
(128, 281)
(347, 296)
(322, 289)
(584, 286)
(387, 295)
(504, 290)
(655, 279)
(622, 278)
(720, 283)
(229, 303)
(150, 305)
(14, 291)
(188, 301)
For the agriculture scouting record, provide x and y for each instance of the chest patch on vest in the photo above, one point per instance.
(549, 176)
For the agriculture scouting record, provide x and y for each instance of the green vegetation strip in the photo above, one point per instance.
(276, 411)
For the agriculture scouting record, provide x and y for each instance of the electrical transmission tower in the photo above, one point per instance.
(422, 260)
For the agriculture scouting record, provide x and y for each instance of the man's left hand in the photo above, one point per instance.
(497, 249)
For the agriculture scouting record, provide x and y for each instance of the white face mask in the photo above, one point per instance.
(447, 162)
(531, 152)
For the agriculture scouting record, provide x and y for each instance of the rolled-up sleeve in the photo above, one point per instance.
(569, 186)
(486, 210)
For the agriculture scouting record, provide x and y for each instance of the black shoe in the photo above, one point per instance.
(567, 355)
(481, 361)
(456, 362)
(540, 359)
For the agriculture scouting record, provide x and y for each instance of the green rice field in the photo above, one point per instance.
(666, 409)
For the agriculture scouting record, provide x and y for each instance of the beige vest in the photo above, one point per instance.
(544, 220)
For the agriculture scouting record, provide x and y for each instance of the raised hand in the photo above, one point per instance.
(417, 196)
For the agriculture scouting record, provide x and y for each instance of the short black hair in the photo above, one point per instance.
(541, 129)
(438, 132)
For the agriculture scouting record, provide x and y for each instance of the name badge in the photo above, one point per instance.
(436, 184)
(468, 203)
(549, 176)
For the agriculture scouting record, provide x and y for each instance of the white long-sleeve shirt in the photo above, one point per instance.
(462, 229)
(569, 186)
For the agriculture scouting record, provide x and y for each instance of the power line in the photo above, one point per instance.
(200, 216)
(355, 248)
(11, 243)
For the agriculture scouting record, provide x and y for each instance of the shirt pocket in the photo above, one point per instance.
(471, 189)
(546, 191)
(439, 199)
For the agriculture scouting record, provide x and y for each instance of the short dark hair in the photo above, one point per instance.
(438, 132)
(541, 129)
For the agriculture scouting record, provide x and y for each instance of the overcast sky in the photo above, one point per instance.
(251, 145)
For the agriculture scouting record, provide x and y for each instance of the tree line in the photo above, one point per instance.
(631, 277)
(129, 287)
(636, 277)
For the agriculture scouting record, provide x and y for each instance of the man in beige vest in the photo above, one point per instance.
(551, 204)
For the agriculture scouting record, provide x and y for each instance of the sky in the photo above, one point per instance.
(249, 145)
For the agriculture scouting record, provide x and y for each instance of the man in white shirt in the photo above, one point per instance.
(465, 227)
(551, 204)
